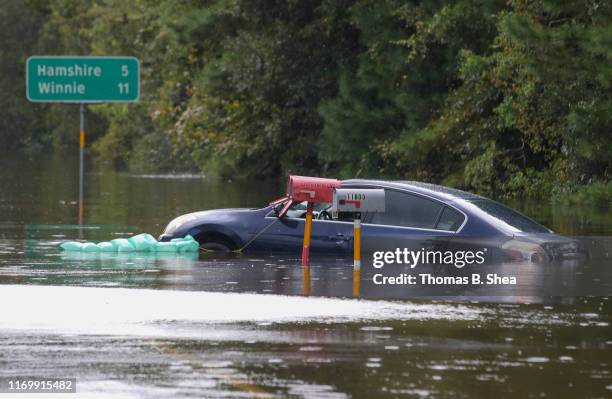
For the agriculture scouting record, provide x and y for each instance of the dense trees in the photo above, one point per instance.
(508, 98)
(19, 31)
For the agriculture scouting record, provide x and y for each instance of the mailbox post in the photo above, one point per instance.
(311, 190)
(358, 201)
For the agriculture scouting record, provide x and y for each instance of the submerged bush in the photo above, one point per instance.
(598, 194)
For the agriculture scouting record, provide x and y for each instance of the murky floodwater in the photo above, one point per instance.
(137, 325)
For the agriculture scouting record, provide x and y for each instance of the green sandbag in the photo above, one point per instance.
(106, 246)
(90, 247)
(143, 242)
(166, 247)
(72, 246)
(183, 239)
(140, 243)
(188, 246)
(123, 245)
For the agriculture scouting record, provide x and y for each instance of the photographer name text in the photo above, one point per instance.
(430, 279)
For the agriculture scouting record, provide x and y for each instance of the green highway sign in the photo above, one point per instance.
(82, 79)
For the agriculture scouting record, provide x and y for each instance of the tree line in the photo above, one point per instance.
(506, 98)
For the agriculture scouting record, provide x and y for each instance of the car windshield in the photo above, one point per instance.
(509, 216)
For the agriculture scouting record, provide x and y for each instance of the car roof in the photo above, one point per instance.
(432, 190)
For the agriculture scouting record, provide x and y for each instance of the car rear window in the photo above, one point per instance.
(509, 216)
(450, 220)
(407, 210)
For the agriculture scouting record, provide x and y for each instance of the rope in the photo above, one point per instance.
(239, 250)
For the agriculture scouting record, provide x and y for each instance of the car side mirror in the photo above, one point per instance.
(281, 206)
(283, 209)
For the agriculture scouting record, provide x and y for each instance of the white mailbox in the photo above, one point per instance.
(358, 200)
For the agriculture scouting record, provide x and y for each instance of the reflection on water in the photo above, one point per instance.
(180, 325)
(37, 260)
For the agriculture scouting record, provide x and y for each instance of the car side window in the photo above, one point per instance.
(408, 210)
(450, 219)
(298, 210)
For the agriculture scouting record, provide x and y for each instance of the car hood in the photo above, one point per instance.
(188, 220)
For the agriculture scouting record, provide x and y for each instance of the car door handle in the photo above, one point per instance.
(340, 237)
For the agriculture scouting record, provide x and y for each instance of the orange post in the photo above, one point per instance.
(306, 282)
(307, 233)
(356, 282)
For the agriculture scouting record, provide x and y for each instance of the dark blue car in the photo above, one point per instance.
(418, 216)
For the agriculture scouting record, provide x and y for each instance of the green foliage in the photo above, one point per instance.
(19, 29)
(507, 98)
(597, 193)
(253, 108)
(128, 125)
(406, 69)
(527, 116)
(154, 153)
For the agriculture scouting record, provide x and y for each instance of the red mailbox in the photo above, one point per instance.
(311, 189)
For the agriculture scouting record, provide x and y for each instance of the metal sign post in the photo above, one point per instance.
(81, 163)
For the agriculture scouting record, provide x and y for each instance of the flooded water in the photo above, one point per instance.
(254, 325)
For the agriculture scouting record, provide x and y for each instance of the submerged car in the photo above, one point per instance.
(417, 216)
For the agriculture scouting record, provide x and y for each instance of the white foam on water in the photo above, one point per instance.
(76, 395)
(96, 310)
(537, 359)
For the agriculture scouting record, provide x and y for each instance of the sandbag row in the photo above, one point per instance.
(138, 243)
